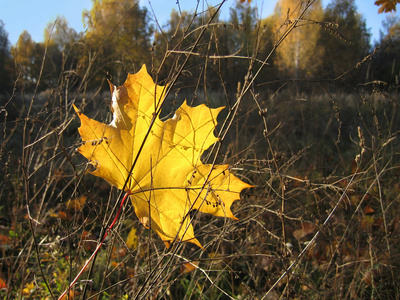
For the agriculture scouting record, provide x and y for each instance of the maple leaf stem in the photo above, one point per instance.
(97, 248)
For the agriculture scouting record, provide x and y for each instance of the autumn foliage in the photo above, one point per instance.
(386, 5)
(262, 150)
(159, 162)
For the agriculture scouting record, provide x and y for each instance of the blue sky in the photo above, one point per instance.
(34, 15)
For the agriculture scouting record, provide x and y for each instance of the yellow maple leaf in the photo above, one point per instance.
(132, 240)
(386, 5)
(158, 162)
(77, 203)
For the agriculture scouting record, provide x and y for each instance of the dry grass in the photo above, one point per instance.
(321, 221)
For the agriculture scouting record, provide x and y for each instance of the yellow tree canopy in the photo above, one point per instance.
(297, 55)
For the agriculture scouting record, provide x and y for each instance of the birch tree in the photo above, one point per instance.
(297, 55)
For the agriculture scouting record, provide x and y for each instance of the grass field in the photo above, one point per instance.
(321, 222)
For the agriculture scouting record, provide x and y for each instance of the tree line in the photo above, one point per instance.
(296, 42)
